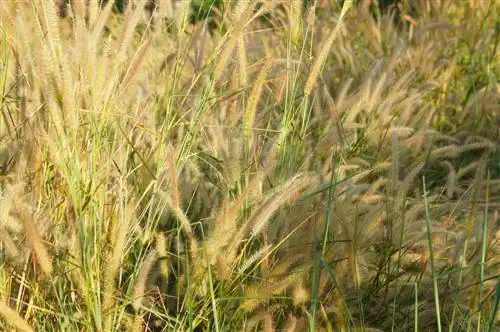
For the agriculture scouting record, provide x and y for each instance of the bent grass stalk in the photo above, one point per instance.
(431, 252)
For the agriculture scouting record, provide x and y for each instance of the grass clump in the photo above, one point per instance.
(274, 166)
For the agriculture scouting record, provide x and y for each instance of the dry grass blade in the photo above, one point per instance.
(168, 153)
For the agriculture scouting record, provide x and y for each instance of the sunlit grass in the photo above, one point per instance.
(276, 167)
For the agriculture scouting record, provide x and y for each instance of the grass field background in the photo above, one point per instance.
(265, 166)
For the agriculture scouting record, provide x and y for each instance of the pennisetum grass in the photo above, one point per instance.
(259, 168)
(14, 319)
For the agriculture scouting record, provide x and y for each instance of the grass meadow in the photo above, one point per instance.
(267, 166)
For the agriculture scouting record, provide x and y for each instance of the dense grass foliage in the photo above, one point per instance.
(286, 167)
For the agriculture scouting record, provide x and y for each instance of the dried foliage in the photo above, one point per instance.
(285, 167)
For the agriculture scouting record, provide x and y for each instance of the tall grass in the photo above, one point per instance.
(278, 166)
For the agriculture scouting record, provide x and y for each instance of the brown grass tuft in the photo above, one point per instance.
(249, 116)
(122, 224)
(35, 241)
(141, 281)
(259, 219)
(13, 318)
(291, 324)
